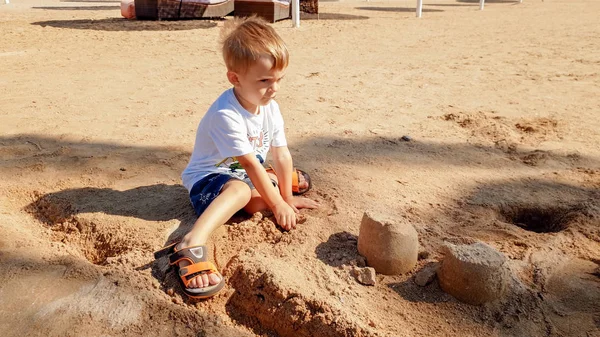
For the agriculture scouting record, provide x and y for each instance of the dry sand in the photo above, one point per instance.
(98, 116)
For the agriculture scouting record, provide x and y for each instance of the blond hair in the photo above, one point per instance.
(246, 40)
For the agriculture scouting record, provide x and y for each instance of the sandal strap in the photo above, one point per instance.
(187, 273)
(295, 178)
(295, 181)
(192, 254)
(166, 250)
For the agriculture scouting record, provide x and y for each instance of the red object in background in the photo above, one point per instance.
(128, 9)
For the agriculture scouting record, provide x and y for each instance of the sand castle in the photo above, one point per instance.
(390, 247)
(474, 274)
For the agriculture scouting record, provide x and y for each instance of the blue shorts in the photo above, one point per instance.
(208, 188)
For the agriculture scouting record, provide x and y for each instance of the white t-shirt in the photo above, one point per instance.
(226, 131)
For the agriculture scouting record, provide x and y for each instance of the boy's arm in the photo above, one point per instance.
(284, 213)
(282, 160)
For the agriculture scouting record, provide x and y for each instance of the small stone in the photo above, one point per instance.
(365, 276)
(423, 255)
(361, 262)
(170, 292)
(406, 138)
(426, 275)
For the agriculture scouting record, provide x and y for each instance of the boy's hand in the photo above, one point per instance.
(299, 202)
(285, 215)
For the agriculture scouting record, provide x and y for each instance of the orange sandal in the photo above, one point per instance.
(199, 264)
(295, 181)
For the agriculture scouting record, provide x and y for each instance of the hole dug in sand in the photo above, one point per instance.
(540, 219)
(98, 243)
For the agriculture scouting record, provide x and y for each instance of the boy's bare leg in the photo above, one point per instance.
(257, 204)
(234, 195)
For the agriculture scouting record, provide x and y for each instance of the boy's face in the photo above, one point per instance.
(258, 85)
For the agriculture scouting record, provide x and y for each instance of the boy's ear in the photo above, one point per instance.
(233, 78)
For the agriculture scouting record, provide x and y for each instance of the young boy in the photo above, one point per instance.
(226, 173)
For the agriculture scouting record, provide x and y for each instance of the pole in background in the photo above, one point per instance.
(295, 13)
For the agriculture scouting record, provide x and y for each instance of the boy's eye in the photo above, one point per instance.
(264, 81)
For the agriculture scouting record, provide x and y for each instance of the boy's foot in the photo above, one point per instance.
(300, 182)
(202, 280)
(199, 277)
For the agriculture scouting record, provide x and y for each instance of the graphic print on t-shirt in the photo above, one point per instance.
(260, 144)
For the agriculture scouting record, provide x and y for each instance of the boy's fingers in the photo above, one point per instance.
(290, 221)
(285, 223)
(308, 203)
(281, 221)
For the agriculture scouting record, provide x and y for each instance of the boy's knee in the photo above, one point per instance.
(239, 188)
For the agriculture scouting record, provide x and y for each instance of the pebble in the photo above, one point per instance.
(365, 276)
(426, 275)
(423, 255)
(406, 138)
(361, 262)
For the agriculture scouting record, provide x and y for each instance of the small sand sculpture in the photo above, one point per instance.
(389, 247)
(474, 273)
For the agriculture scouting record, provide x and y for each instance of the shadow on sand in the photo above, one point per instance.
(121, 24)
(339, 250)
(411, 292)
(75, 156)
(332, 16)
(397, 9)
(80, 8)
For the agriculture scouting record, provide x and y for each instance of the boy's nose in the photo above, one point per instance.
(275, 87)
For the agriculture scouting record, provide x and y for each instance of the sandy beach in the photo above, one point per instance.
(500, 109)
